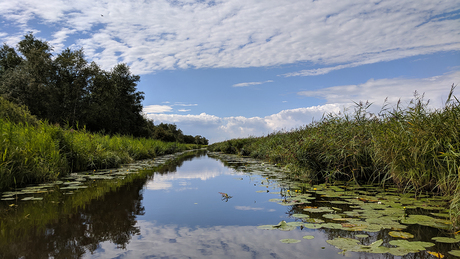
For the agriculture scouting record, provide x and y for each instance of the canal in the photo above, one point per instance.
(208, 205)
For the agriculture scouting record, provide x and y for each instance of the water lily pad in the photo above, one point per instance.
(404, 235)
(455, 252)
(362, 236)
(319, 209)
(300, 216)
(313, 226)
(74, 187)
(344, 243)
(313, 220)
(414, 246)
(267, 227)
(289, 241)
(308, 237)
(446, 240)
(332, 216)
(284, 226)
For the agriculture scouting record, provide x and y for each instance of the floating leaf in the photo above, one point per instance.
(267, 227)
(289, 241)
(284, 226)
(300, 216)
(308, 237)
(362, 236)
(313, 226)
(411, 247)
(446, 240)
(455, 253)
(318, 210)
(404, 235)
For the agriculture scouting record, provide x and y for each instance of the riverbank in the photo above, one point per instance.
(413, 147)
(33, 151)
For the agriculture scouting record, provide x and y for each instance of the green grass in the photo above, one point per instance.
(415, 148)
(33, 151)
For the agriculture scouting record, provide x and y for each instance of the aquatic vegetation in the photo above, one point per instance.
(289, 241)
(364, 212)
(414, 148)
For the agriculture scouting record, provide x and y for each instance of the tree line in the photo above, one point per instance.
(68, 90)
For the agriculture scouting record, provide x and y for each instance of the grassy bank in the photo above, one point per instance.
(413, 147)
(33, 151)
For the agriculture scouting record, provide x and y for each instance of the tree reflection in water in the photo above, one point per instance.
(111, 217)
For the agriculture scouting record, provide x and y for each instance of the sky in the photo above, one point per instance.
(228, 69)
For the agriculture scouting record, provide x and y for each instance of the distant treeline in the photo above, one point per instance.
(68, 90)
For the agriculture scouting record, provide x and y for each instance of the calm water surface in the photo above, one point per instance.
(180, 211)
(185, 216)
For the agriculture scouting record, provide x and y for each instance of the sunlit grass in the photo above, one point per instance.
(33, 151)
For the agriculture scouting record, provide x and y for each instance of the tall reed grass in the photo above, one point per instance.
(34, 151)
(413, 147)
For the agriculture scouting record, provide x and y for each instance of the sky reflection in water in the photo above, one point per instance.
(186, 217)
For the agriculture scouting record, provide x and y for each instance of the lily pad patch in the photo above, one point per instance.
(289, 241)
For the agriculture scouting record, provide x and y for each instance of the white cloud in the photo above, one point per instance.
(157, 35)
(435, 89)
(183, 110)
(185, 104)
(218, 129)
(251, 83)
(157, 109)
(178, 241)
(338, 98)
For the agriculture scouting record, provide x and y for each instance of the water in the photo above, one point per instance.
(199, 207)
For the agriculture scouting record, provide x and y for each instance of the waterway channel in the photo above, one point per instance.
(208, 205)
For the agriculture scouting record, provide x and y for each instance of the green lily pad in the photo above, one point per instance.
(446, 240)
(284, 226)
(289, 241)
(404, 235)
(332, 226)
(413, 247)
(344, 243)
(267, 227)
(455, 252)
(362, 236)
(300, 216)
(308, 237)
(313, 226)
(332, 216)
(319, 209)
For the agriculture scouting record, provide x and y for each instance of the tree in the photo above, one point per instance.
(9, 59)
(26, 81)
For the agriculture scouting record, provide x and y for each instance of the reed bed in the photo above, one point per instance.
(33, 151)
(413, 147)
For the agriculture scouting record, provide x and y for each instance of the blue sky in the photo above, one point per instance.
(235, 68)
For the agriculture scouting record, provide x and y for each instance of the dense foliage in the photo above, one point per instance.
(35, 151)
(416, 148)
(68, 90)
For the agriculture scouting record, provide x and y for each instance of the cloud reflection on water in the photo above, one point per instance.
(171, 241)
(189, 171)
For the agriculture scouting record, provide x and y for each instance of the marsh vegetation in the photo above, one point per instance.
(413, 147)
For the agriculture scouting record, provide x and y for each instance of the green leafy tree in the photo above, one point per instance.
(69, 92)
